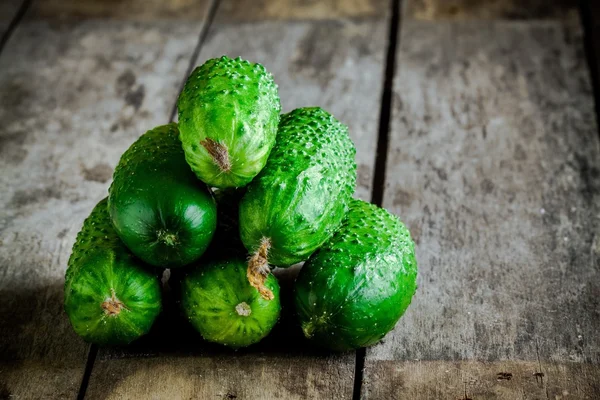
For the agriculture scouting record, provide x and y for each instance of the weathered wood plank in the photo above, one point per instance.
(486, 9)
(590, 11)
(499, 380)
(494, 164)
(335, 64)
(74, 96)
(225, 376)
(8, 11)
(130, 10)
(264, 10)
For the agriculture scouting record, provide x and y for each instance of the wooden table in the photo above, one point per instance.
(474, 122)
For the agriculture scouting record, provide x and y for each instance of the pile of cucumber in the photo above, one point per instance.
(231, 191)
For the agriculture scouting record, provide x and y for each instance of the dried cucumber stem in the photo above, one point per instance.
(258, 269)
(243, 309)
(112, 306)
(218, 152)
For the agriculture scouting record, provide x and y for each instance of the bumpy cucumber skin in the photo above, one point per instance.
(210, 294)
(100, 264)
(236, 104)
(352, 292)
(155, 194)
(300, 198)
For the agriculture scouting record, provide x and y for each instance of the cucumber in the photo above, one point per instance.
(299, 199)
(220, 303)
(352, 291)
(228, 116)
(162, 212)
(226, 240)
(109, 297)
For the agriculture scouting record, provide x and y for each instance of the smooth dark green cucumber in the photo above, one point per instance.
(228, 116)
(226, 240)
(109, 297)
(355, 288)
(299, 199)
(220, 303)
(163, 213)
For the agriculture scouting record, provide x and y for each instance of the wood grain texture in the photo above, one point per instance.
(494, 164)
(266, 10)
(500, 380)
(8, 11)
(335, 64)
(73, 98)
(130, 10)
(225, 376)
(489, 9)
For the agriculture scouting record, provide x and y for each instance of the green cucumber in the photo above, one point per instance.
(352, 292)
(162, 212)
(220, 303)
(226, 241)
(228, 116)
(109, 297)
(299, 199)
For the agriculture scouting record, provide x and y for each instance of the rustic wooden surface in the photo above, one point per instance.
(339, 66)
(494, 164)
(489, 9)
(476, 380)
(288, 10)
(74, 97)
(128, 10)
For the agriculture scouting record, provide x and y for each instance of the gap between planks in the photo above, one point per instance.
(14, 23)
(381, 151)
(89, 365)
(590, 17)
(212, 11)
